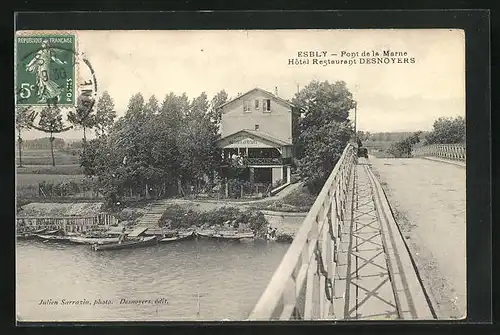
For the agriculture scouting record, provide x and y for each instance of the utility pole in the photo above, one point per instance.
(355, 121)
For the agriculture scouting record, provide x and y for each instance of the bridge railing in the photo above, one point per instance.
(446, 151)
(302, 286)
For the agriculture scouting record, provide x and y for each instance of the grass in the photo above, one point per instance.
(27, 184)
(25, 179)
(37, 168)
(73, 169)
(44, 157)
(300, 200)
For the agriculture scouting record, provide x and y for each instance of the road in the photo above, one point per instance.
(429, 202)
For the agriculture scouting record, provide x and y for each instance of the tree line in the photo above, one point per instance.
(446, 130)
(43, 143)
(83, 116)
(157, 146)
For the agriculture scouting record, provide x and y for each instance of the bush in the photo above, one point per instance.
(300, 200)
(403, 148)
(128, 215)
(63, 188)
(447, 131)
(284, 238)
(181, 217)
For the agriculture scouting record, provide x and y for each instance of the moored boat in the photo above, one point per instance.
(26, 235)
(52, 232)
(179, 237)
(127, 244)
(225, 235)
(53, 238)
(92, 240)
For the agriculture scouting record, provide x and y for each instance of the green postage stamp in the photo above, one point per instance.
(45, 69)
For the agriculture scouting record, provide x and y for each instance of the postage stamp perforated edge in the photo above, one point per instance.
(76, 65)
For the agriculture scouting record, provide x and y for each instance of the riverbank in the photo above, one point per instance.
(182, 215)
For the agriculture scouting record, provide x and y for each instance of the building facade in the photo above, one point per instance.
(256, 135)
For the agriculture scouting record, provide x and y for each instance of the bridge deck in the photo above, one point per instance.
(375, 278)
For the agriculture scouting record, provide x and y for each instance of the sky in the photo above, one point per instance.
(405, 96)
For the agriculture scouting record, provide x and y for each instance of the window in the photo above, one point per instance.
(266, 105)
(256, 127)
(256, 104)
(246, 106)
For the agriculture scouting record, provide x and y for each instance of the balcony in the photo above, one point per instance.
(255, 161)
(263, 161)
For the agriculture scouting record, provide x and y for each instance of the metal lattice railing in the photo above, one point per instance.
(302, 286)
(447, 151)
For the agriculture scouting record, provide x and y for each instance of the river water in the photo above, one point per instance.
(157, 283)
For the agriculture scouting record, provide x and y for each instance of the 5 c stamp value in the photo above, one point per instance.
(45, 69)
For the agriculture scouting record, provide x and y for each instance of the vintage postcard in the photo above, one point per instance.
(240, 175)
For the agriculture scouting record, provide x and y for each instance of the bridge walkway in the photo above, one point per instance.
(375, 277)
(349, 260)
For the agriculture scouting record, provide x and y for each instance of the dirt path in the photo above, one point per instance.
(428, 199)
(210, 204)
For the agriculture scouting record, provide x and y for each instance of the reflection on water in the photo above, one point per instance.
(228, 277)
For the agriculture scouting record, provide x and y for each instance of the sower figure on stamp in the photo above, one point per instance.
(40, 65)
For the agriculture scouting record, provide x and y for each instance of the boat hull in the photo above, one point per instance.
(135, 243)
(52, 232)
(53, 238)
(225, 236)
(93, 240)
(181, 237)
(25, 236)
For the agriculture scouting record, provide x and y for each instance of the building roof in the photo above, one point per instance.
(260, 90)
(258, 134)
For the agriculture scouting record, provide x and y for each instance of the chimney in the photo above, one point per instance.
(276, 90)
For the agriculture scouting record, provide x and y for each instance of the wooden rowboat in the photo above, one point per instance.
(52, 232)
(30, 234)
(225, 235)
(127, 244)
(93, 240)
(180, 237)
(53, 238)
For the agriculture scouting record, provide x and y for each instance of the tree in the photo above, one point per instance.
(324, 129)
(154, 146)
(82, 116)
(105, 114)
(363, 136)
(447, 131)
(171, 123)
(198, 107)
(324, 148)
(404, 147)
(151, 107)
(51, 122)
(135, 108)
(197, 142)
(23, 121)
(215, 113)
